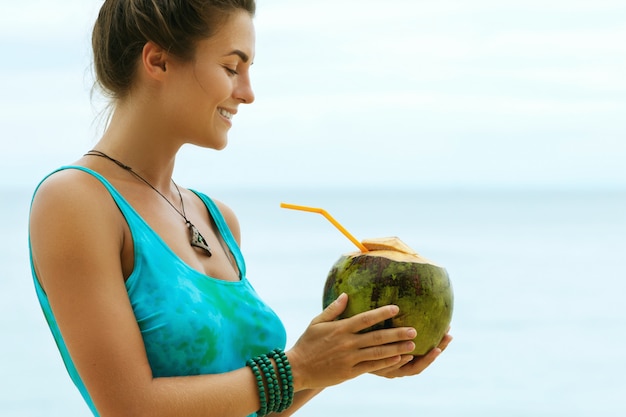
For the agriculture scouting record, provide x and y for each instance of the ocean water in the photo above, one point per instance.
(539, 279)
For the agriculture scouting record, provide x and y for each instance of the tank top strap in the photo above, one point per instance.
(224, 230)
(121, 202)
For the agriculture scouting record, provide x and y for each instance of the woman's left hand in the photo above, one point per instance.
(413, 365)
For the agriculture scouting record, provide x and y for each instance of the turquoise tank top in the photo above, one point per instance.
(191, 324)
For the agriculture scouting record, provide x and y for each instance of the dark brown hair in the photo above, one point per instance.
(123, 28)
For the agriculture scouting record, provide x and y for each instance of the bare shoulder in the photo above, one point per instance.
(231, 220)
(70, 193)
(73, 221)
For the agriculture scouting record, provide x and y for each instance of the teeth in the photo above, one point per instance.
(226, 114)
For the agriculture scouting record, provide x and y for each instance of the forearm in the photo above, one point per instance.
(299, 400)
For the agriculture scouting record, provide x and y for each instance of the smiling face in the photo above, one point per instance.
(205, 94)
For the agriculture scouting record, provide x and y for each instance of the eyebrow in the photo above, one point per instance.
(244, 57)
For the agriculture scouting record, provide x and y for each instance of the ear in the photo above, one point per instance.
(154, 60)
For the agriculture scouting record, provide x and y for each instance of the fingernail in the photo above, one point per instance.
(395, 309)
(412, 333)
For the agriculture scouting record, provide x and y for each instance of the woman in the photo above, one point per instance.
(141, 281)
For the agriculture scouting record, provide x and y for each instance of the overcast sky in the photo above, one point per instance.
(421, 93)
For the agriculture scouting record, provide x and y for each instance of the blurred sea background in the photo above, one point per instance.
(488, 135)
(539, 279)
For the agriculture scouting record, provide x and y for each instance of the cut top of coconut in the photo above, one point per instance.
(388, 243)
(393, 248)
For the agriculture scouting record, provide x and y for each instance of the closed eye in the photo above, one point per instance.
(231, 71)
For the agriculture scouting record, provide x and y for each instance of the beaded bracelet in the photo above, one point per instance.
(259, 381)
(273, 389)
(286, 379)
(279, 394)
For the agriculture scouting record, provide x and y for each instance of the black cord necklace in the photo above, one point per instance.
(195, 239)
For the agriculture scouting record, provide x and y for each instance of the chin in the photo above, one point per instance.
(220, 143)
(220, 146)
(218, 140)
(212, 143)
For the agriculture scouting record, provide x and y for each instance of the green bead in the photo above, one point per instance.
(284, 369)
(252, 363)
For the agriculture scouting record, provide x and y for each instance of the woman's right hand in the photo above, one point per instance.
(332, 351)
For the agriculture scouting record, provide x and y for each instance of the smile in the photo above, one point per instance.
(225, 114)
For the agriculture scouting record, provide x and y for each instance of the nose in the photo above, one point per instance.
(244, 92)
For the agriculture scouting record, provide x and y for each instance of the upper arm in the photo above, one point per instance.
(71, 226)
(77, 234)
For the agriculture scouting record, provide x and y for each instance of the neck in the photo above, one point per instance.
(141, 144)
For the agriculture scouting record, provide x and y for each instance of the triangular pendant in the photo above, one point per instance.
(197, 240)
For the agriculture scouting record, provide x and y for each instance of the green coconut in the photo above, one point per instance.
(392, 273)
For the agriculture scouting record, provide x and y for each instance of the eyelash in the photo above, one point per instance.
(231, 71)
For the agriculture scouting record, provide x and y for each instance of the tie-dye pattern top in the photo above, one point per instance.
(191, 323)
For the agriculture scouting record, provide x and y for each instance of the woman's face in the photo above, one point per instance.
(209, 90)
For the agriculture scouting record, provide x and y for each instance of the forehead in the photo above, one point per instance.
(236, 34)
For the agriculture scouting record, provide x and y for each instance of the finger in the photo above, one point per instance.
(386, 336)
(420, 364)
(445, 342)
(381, 352)
(333, 310)
(424, 362)
(367, 319)
(395, 370)
(378, 365)
(416, 365)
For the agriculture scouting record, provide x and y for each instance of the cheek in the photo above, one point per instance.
(215, 86)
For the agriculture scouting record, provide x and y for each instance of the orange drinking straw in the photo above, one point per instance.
(330, 219)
